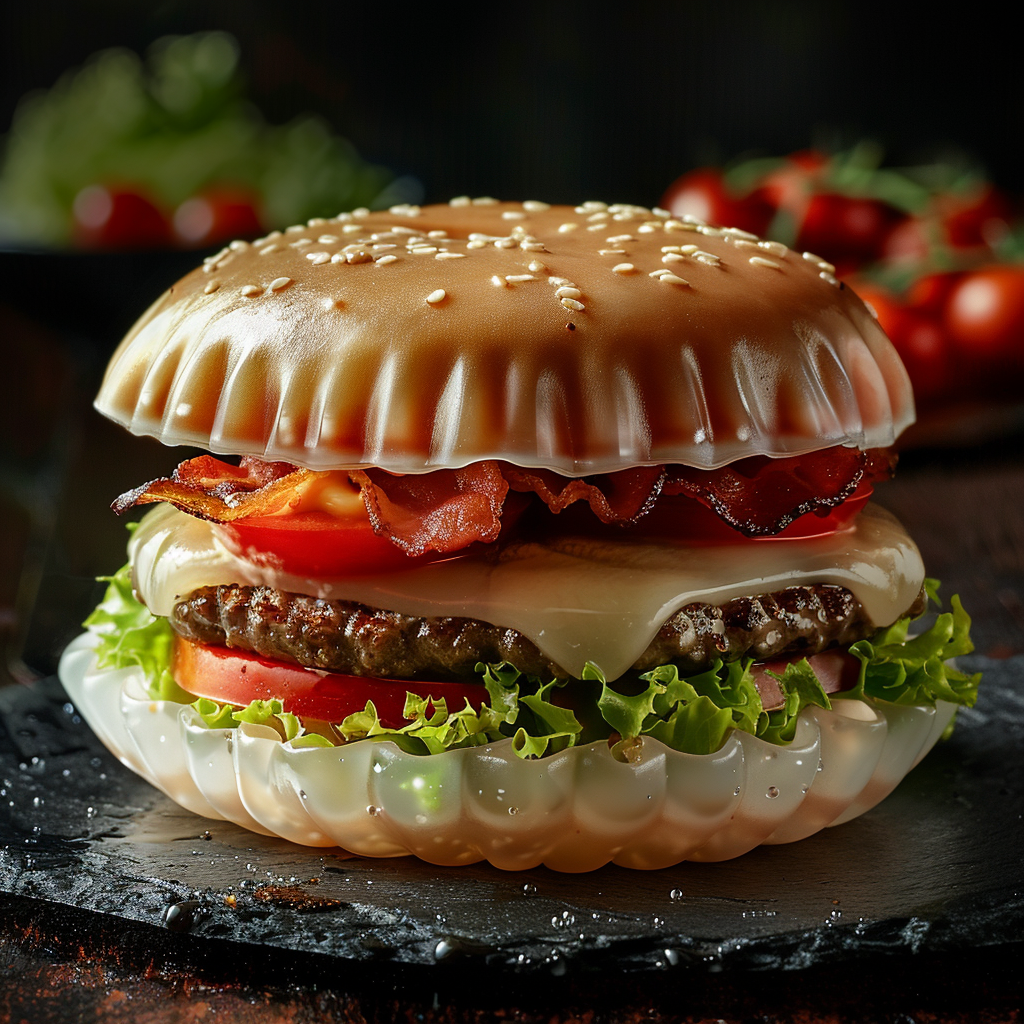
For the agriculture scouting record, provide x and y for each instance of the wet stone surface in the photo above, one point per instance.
(935, 868)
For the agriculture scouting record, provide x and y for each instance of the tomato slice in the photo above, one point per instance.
(237, 677)
(316, 544)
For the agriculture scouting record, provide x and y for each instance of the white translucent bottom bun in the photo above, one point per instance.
(574, 811)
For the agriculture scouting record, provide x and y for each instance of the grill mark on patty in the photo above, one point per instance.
(344, 636)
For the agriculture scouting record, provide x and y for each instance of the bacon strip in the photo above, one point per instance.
(448, 509)
(445, 510)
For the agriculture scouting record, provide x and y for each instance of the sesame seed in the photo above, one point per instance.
(385, 245)
(280, 282)
(659, 273)
(672, 279)
(672, 257)
(572, 304)
(519, 278)
(485, 201)
(423, 250)
(338, 257)
(212, 286)
(252, 290)
(512, 215)
(591, 206)
(831, 278)
(624, 268)
(350, 228)
(775, 248)
(689, 218)
(437, 233)
(535, 206)
(459, 201)
(315, 222)
(294, 229)
(616, 239)
(559, 281)
(743, 243)
(740, 233)
(343, 217)
(821, 264)
(498, 281)
(603, 215)
(568, 292)
(217, 257)
(670, 248)
(401, 229)
(600, 226)
(436, 296)
(532, 246)
(364, 211)
(301, 243)
(505, 243)
(476, 244)
(536, 266)
(647, 229)
(450, 256)
(316, 258)
(660, 212)
(402, 210)
(267, 250)
(689, 250)
(327, 239)
(678, 225)
(760, 261)
(238, 246)
(709, 258)
(611, 252)
(383, 260)
(564, 229)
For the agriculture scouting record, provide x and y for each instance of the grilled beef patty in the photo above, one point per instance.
(342, 636)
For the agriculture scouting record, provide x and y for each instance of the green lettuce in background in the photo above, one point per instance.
(693, 714)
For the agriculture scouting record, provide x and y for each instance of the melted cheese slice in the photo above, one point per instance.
(578, 599)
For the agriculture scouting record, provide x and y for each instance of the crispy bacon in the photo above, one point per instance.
(445, 510)
(761, 496)
(448, 509)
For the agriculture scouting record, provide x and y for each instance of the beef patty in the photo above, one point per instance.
(343, 636)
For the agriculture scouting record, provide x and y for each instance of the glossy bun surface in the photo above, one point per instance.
(584, 340)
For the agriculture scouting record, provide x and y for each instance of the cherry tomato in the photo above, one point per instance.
(929, 293)
(985, 313)
(316, 544)
(881, 302)
(217, 215)
(979, 219)
(789, 187)
(846, 230)
(703, 194)
(237, 677)
(924, 347)
(108, 217)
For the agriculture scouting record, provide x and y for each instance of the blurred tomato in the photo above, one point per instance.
(846, 230)
(883, 304)
(704, 194)
(981, 219)
(928, 294)
(789, 187)
(924, 347)
(217, 215)
(985, 313)
(115, 217)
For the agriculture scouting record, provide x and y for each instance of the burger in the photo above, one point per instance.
(525, 533)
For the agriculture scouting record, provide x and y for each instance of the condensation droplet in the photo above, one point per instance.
(772, 793)
(821, 766)
(529, 889)
(676, 894)
(373, 810)
(513, 810)
(736, 791)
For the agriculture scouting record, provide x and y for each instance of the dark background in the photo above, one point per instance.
(572, 100)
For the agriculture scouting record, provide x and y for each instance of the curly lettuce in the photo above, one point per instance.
(690, 713)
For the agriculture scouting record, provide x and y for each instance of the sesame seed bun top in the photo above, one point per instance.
(584, 340)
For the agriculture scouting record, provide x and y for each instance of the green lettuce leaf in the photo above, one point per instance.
(692, 713)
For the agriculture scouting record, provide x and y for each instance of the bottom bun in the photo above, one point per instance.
(573, 811)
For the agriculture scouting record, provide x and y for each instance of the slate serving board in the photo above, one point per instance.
(935, 868)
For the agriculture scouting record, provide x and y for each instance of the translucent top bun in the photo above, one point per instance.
(583, 340)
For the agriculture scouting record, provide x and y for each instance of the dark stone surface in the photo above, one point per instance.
(936, 868)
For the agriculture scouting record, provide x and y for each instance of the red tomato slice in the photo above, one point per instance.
(316, 544)
(237, 677)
